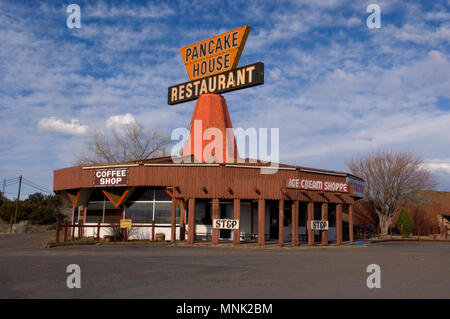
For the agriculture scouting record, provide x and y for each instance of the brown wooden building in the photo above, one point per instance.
(274, 204)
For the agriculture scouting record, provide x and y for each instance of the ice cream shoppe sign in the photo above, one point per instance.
(211, 65)
(317, 185)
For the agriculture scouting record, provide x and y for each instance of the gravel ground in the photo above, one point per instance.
(408, 270)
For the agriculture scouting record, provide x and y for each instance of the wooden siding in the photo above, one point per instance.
(212, 182)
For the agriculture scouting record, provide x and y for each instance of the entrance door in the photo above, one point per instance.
(274, 219)
(225, 211)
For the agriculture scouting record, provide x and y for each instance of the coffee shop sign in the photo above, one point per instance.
(111, 177)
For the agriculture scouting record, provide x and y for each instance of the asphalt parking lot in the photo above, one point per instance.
(408, 270)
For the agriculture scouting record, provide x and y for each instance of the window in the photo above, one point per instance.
(331, 215)
(94, 212)
(139, 212)
(317, 211)
(162, 195)
(203, 212)
(144, 205)
(163, 213)
(142, 194)
(287, 213)
(113, 215)
(303, 214)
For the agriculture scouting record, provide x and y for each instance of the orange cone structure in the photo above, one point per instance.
(209, 140)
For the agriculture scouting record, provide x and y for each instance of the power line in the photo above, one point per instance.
(33, 184)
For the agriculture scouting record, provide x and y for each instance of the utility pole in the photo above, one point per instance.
(18, 200)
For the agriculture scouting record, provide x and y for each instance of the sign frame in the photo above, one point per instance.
(126, 223)
(231, 44)
(122, 183)
(321, 224)
(316, 185)
(257, 79)
(225, 223)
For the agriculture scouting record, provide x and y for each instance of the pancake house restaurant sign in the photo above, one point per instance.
(211, 65)
(317, 185)
(111, 177)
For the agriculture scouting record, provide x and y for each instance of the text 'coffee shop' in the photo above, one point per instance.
(191, 198)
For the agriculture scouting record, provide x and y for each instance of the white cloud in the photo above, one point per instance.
(54, 125)
(116, 121)
(151, 10)
(438, 165)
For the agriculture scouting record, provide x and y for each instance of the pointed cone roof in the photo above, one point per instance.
(208, 141)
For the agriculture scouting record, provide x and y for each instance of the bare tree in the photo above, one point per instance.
(130, 143)
(392, 179)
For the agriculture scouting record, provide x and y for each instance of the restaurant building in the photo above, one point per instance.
(184, 200)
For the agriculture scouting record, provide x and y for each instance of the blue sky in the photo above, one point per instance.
(334, 87)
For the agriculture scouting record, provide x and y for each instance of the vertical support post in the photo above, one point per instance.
(215, 215)
(281, 223)
(173, 226)
(261, 222)
(294, 217)
(73, 214)
(83, 221)
(191, 221)
(57, 231)
(308, 224)
(65, 230)
(252, 233)
(237, 215)
(98, 230)
(182, 220)
(73, 231)
(80, 222)
(325, 217)
(339, 224)
(350, 223)
(153, 231)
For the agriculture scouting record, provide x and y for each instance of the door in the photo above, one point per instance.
(225, 211)
(274, 220)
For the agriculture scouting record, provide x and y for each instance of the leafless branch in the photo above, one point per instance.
(131, 143)
(392, 179)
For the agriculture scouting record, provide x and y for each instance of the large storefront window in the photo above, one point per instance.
(113, 214)
(104, 211)
(144, 205)
(139, 212)
(163, 213)
(150, 203)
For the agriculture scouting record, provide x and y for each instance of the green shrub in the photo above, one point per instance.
(405, 223)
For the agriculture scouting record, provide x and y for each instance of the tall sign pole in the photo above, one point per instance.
(18, 200)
